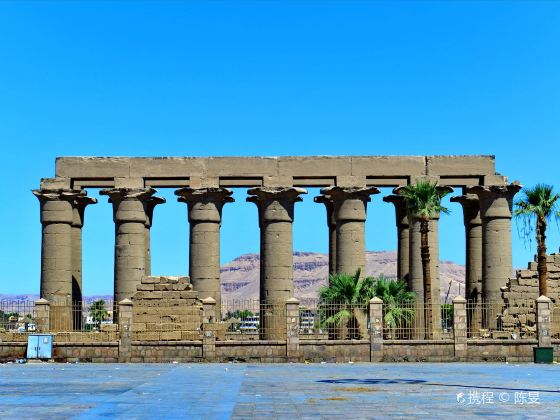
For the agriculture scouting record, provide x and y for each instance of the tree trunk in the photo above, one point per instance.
(541, 255)
(426, 274)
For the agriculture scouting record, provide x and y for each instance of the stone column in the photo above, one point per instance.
(292, 330)
(130, 247)
(460, 328)
(205, 217)
(151, 203)
(495, 211)
(473, 275)
(403, 235)
(276, 215)
(78, 213)
(376, 329)
(331, 223)
(544, 321)
(56, 248)
(350, 208)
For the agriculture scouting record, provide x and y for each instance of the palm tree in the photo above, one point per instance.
(346, 300)
(397, 309)
(539, 204)
(98, 312)
(423, 201)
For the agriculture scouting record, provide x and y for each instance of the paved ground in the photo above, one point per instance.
(290, 391)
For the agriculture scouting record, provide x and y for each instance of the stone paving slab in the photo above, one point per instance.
(287, 391)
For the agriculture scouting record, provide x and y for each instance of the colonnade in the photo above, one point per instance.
(487, 219)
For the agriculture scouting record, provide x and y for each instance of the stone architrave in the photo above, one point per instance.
(205, 218)
(151, 203)
(496, 202)
(403, 232)
(473, 274)
(276, 215)
(129, 215)
(331, 223)
(350, 208)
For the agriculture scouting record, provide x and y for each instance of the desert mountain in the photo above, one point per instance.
(240, 277)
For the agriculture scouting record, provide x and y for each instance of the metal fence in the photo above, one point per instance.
(499, 320)
(335, 321)
(17, 318)
(417, 321)
(254, 320)
(84, 321)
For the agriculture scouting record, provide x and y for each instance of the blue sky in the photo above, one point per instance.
(267, 78)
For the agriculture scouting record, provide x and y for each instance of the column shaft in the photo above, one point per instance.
(350, 208)
(130, 235)
(151, 203)
(403, 236)
(205, 217)
(276, 215)
(331, 223)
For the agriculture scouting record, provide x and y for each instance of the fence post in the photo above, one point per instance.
(292, 330)
(125, 330)
(208, 329)
(544, 321)
(376, 330)
(460, 328)
(42, 309)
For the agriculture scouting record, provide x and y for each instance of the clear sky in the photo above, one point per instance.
(267, 78)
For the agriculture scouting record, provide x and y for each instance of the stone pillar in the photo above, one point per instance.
(125, 317)
(331, 223)
(473, 275)
(42, 313)
(376, 329)
(350, 208)
(495, 211)
(130, 248)
(208, 326)
(544, 321)
(292, 330)
(460, 328)
(151, 203)
(205, 217)
(78, 213)
(276, 215)
(56, 252)
(403, 236)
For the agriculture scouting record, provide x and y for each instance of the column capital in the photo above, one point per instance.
(204, 204)
(350, 202)
(150, 205)
(329, 205)
(496, 201)
(471, 208)
(129, 203)
(79, 205)
(444, 189)
(275, 204)
(400, 209)
(56, 204)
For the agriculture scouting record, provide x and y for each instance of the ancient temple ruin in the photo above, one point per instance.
(275, 186)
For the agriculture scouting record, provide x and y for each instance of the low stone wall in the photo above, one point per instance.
(10, 351)
(165, 351)
(335, 350)
(95, 352)
(419, 351)
(251, 351)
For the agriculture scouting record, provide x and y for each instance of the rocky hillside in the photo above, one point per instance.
(240, 277)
